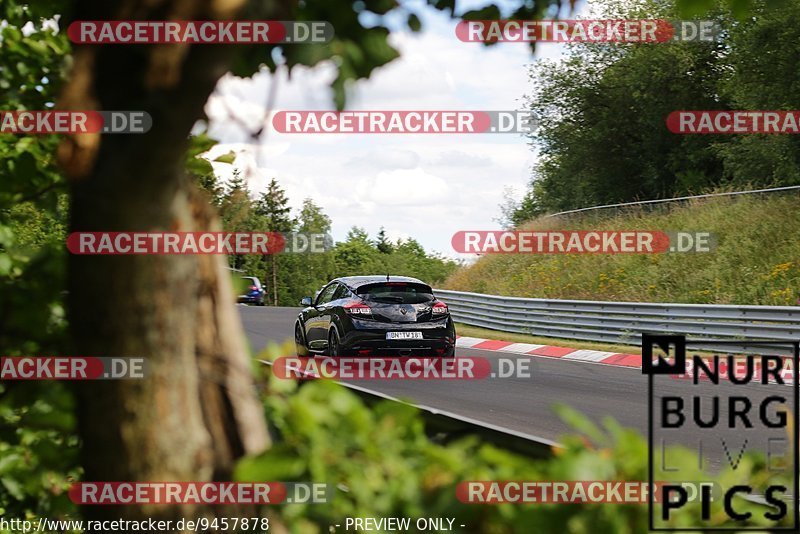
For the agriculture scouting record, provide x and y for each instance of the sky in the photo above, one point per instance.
(423, 186)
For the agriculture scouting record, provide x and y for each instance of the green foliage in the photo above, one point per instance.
(32, 204)
(274, 207)
(274, 214)
(38, 451)
(32, 68)
(38, 443)
(763, 74)
(383, 245)
(200, 169)
(360, 255)
(310, 271)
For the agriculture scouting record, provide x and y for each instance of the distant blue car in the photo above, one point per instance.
(254, 293)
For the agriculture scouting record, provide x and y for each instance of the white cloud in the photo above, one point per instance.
(385, 159)
(408, 187)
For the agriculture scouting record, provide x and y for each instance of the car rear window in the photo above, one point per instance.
(396, 292)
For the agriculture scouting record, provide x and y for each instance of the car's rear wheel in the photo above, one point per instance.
(299, 342)
(334, 349)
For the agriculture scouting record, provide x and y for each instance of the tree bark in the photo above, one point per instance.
(197, 410)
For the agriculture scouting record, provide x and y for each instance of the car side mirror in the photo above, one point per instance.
(306, 302)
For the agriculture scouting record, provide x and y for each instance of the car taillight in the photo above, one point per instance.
(439, 308)
(357, 308)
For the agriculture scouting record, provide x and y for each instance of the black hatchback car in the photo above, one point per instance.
(375, 316)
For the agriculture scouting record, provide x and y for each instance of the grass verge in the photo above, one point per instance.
(756, 261)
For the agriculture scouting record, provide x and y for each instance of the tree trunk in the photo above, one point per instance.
(197, 410)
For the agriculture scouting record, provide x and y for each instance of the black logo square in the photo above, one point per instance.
(663, 342)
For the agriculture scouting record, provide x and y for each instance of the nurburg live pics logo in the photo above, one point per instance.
(736, 403)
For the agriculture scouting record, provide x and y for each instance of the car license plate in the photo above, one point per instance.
(403, 335)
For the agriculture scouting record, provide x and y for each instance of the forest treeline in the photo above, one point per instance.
(602, 136)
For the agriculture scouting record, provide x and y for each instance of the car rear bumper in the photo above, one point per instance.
(369, 338)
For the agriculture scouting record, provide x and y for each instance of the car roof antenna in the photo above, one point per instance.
(387, 277)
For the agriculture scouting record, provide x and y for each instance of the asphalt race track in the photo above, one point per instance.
(524, 404)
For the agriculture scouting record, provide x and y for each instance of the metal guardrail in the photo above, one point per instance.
(678, 199)
(623, 322)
